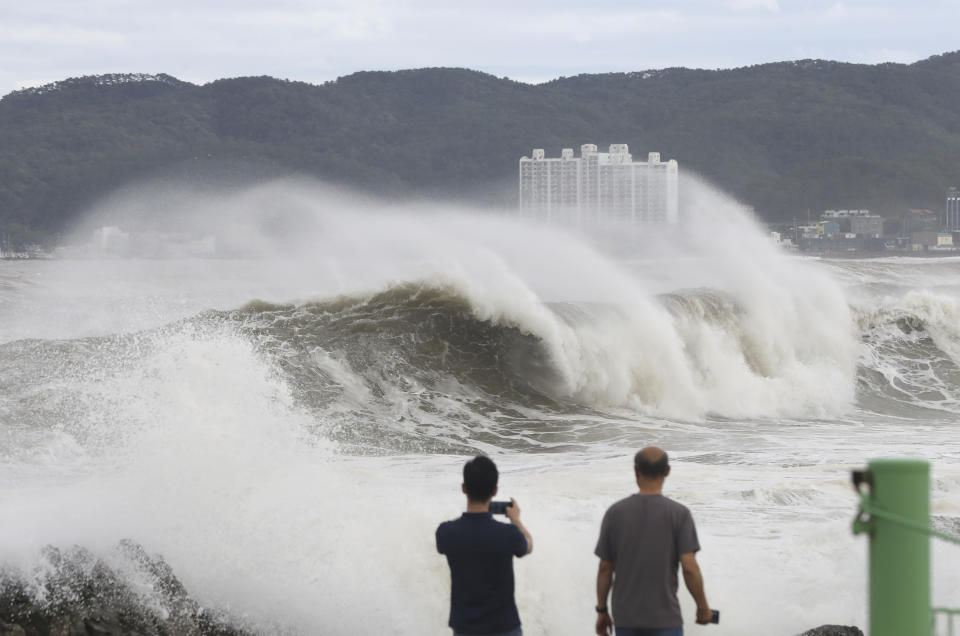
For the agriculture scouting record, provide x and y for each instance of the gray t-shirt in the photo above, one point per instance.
(644, 536)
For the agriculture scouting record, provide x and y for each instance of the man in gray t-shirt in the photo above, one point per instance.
(643, 539)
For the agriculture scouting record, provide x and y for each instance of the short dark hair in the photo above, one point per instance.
(651, 469)
(480, 478)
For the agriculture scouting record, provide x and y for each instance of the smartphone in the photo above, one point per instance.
(714, 616)
(499, 507)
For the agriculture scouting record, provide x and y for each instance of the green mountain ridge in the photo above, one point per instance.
(783, 137)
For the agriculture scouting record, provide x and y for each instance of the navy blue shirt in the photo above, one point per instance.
(480, 552)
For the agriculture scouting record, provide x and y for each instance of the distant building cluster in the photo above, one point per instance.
(598, 188)
(849, 224)
(915, 230)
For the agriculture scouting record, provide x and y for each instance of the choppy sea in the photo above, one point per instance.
(287, 431)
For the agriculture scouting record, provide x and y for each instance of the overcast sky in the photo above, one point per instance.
(530, 40)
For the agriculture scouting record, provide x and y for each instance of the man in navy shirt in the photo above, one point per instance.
(480, 552)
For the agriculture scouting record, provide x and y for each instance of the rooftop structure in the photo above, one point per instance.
(842, 214)
(598, 187)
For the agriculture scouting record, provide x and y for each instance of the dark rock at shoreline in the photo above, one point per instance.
(74, 593)
(834, 630)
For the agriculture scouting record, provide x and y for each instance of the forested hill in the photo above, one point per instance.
(783, 137)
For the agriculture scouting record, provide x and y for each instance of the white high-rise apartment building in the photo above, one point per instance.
(599, 187)
(951, 212)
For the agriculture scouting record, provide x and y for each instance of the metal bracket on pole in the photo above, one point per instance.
(863, 522)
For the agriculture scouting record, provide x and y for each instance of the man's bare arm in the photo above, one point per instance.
(604, 582)
(694, 582)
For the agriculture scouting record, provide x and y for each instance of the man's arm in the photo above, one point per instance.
(694, 582)
(604, 583)
(513, 514)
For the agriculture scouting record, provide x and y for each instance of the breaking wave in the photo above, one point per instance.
(432, 366)
(911, 356)
(415, 349)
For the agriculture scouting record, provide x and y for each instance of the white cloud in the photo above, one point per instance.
(557, 30)
(839, 10)
(316, 40)
(57, 35)
(348, 23)
(749, 5)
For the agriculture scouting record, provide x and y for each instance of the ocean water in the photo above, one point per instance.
(287, 431)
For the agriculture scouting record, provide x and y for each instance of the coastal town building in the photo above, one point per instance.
(857, 222)
(931, 240)
(598, 188)
(842, 231)
(951, 213)
(919, 220)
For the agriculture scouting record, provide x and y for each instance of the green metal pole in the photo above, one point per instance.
(900, 556)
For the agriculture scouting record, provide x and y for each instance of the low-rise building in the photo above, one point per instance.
(859, 222)
(867, 226)
(919, 220)
(931, 240)
(830, 228)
